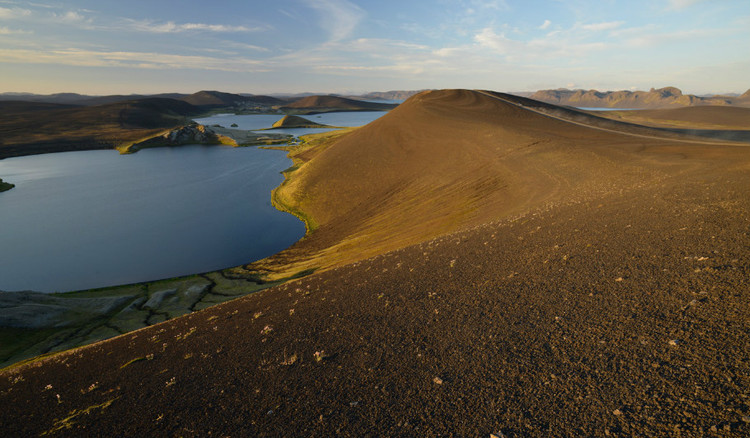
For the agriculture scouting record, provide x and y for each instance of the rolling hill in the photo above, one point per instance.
(218, 99)
(35, 128)
(312, 104)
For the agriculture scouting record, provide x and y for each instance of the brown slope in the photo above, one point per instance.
(213, 99)
(624, 313)
(441, 162)
(700, 117)
(295, 122)
(24, 132)
(335, 103)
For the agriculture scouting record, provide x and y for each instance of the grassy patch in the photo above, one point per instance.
(5, 186)
(68, 422)
(16, 340)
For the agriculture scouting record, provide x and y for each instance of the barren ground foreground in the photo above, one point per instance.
(482, 268)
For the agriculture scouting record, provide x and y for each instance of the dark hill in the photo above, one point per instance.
(265, 100)
(58, 128)
(333, 103)
(218, 99)
(19, 107)
(214, 99)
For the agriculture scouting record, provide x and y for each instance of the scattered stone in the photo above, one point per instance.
(617, 412)
(618, 279)
(438, 380)
(674, 342)
(354, 404)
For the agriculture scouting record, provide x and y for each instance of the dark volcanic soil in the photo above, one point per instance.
(621, 311)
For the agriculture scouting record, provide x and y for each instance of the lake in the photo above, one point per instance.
(80, 220)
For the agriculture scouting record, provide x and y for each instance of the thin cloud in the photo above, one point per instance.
(608, 25)
(72, 17)
(554, 45)
(122, 59)
(172, 27)
(682, 4)
(338, 17)
(10, 13)
(545, 25)
(6, 31)
(655, 39)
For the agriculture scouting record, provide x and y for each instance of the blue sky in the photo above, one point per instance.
(150, 46)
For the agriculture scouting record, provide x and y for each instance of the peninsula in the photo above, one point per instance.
(4, 186)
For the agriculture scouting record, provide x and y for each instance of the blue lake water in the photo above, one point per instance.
(260, 121)
(80, 220)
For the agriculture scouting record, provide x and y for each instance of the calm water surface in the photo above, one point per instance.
(259, 121)
(88, 219)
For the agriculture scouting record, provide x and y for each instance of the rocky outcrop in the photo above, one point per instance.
(193, 133)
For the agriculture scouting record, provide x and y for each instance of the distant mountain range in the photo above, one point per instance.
(668, 97)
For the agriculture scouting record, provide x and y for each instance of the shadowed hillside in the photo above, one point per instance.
(312, 104)
(697, 117)
(34, 128)
(483, 267)
(218, 99)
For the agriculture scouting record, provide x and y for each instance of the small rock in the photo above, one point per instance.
(714, 429)
(438, 380)
(746, 418)
(617, 412)
(674, 342)
(354, 404)
(497, 435)
(618, 279)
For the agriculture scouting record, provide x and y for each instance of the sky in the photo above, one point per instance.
(354, 46)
